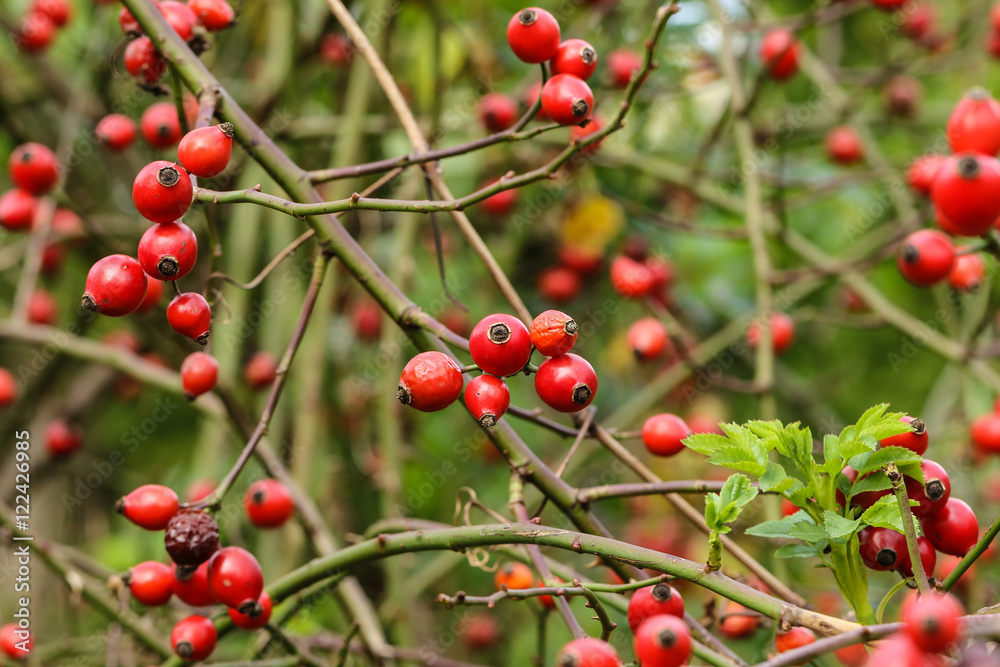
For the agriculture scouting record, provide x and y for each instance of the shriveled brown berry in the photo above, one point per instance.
(192, 537)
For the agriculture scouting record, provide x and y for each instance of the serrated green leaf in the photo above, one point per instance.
(885, 455)
(913, 470)
(776, 479)
(843, 484)
(838, 529)
(853, 447)
(780, 528)
(712, 511)
(884, 514)
(796, 551)
(738, 490)
(765, 429)
(870, 415)
(807, 532)
(706, 443)
(832, 461)
(876, 481)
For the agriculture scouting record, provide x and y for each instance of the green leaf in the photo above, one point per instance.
(876, 481)
(853, 447)
(843, 484)
(807, 532)
(737, 491)
(912, 469)
(712, 511)
(885, 455)
(838, 529)
(833, 462)
(706, 443)
(870, 415)
(776, 479)
(884, 514)
(796, 551)
(782, 528)
(741, 451)
(796, 444)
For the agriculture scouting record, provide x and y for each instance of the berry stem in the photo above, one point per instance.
(909, 530)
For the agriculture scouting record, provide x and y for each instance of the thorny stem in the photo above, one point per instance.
(909, 530)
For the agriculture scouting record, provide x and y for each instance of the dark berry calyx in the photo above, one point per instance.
(588, 56)
(499, 333)
(662, 592)
(886, 557)
(569, 660)
(571, 327)
(934, 489)
(87, 302)
(168, 266)
(488, 420)
(252, 608)
(918, 426)
(581, 394)
(527, 17)
(968, 167)
(580, 108)
(192, 536)
(666, 639)
(403, 395)
(184, 649)
(168, 177)
(203, 338)
(227, 129)
(911, 254)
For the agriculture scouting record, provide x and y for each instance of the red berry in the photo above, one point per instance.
(116, 285)
(579, 134)
(738, 621)
(953, 529)
(487, 398)
(36, 33)
(268, 503)
(576, 57)
(53, 258)
(631, 279)
(162, 191)
(796, 637)
(582, 260)
(928, 558)
(533, 35)
(260, 370)
(8, 388)
(42, 308)
(236, 580)
(66, 223)
(431, 381)
(215, 15)
(190, 315)
(920, 21)
(531, 96)
(17, 210)
(160, 125)
(15, 643)
(500, 204)
(566, 383)
(648, 338)
(115, 132)
(58, 11)
(915, 440)
(985, 433)
(180, 17)
(144, 62)
(663, 641)
(33, 167)
(168, 250)
(497, 111)
(974, 125)
(205, 152)
(193, 638)
(336, 49)
(559, 284)
(933, 621)
(901, 95)
(779, 51)
(843, 145)
(190, 585)
(151, 583)
(888, 5)
(900, 651)
(553, 333)
(567, 99)
(480, 631)
(782, 332)
(199, 372)
(62, 439)
(366, 318)
(128, 23)
(882, 549)
(968, 272)
(199, 489)
(150, 506)
(926, 257)
(500, 345)
(920, 175)
(933, 493)
(588, 652)
(622, 66)
(513, 576)
(663, 434)
(248, 622)
(154, 291)
(653, 601)
(964, 192)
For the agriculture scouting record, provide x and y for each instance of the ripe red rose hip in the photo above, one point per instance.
(500, 345)
(144, 62)
(964, 192)
(62, 438)
(588, 652)
(162, 191)
(160, 125)
(190, 315)
(647, 338)
(235, 579)
(553, 333)
(968, 273)
(928, 558)
(559, 284)
(843, 145)
(882, 549)
(933, 621)
(33, 167)
(567, 99)
(576, 57)
(190, 585)
(260, 370)
(953, 529)
(916, 440)
(653, 601)
(116, 286)
(205, 152)
(150, 506)
(782, 332)
(921, 172)
(151, 583)
(487, 398)
(199, 373)
(168, 250)
(663, 434)
(42, 307)
(779, 51)
(8, 388)
(796, 637)
(533, 35)
(115, 132)
(663, 641)
(431, 381)
(566, 383)
(215, 15)
(249, 622)
(622, 66)
(58, 11)
(513, 576)
(180, 17)
(926, 257)
(933, 493)
(985, 433)
(631, 279)
(17, 210)
(268, 503)
(194, 638)
(497, 111)
(13, 641)
(974, 125)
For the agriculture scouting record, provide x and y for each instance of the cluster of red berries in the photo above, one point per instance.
(515, 576)
(40, 24)
(932, 625)
(160, 126)
(949, 524)
(203, 573)
(501, 346)
(962, 188)
(141, 57)
(34, 170)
